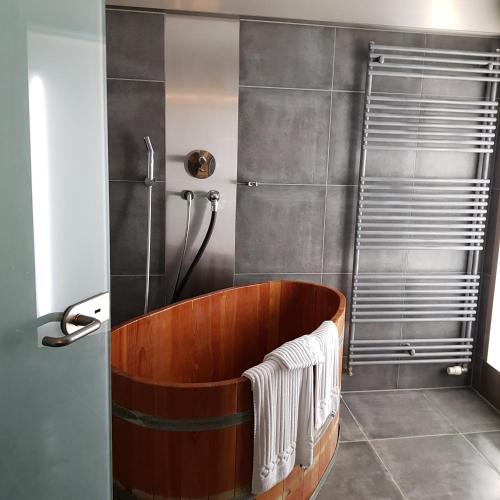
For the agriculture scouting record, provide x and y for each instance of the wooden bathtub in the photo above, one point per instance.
(182, 423)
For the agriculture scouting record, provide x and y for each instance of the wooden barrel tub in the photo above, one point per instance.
(182, 413)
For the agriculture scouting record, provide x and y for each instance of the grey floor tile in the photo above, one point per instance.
(351, 58)
(135, 109)
(127, 296)
(283, 136)
(466, 410)
(349, 429)
(442, 467)
(371, 378)
(250, 279)
(488, 443)
(392, 414)
(345, 140)
(339, 229)
(358, 475)
(135, 45)
(286, 55)
(279, 229)
(128, 227)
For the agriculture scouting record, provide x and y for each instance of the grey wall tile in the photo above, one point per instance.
(339, 229)
(250, 279)
(135, 109)
(127, 296)
(456, 87)
(359, 475)
(128, 224)
(135, 45)
(429, 375)
(351, 57)
(371, 378)
(286, 55)
(484, 316)
(279, 229)
(447, 164)
(436, 260)
(380, 261)
(391, 414)
(345, 140)
(488, 384)
(283, 135)
(466, 474)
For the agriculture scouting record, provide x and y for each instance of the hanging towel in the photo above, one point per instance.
(326, 378)
(283, 413)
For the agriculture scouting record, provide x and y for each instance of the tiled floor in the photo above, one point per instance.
(425, 444)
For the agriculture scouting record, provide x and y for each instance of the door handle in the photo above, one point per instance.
(90, 325)
(81, 315)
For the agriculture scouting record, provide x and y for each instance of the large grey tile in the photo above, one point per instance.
(345, 140)
(286, 55)
(279, 229)
(446, 164)
(351, 59)
(283, 135)
(358, 474)
(135, 109)
(381, 261)
(371, 378)
(436, 261)
(339, 229)
(392, 414)
(467, 411)
(429, 375)
(488, 443)
(457, 87)
(127, 296)
(135, 45)
(438, 468)
(250, 279)
(128, 227)
(349, 429)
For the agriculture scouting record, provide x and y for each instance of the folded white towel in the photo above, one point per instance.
(326, 380)
(283, 412)
(286, 415)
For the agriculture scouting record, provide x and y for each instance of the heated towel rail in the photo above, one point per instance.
(416, 213)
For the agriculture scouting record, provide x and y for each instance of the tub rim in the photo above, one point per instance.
(226, 382)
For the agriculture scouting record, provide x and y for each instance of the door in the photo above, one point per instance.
(54, 401)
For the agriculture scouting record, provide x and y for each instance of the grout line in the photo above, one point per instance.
(243, 183)
(134, 80)
(374, 450)
(441, 412)
(417, 437)
(282, 88)
(134, 181)
(481, 432)
(134, 10)
(458, 387)
(327, 162)
(280, 273)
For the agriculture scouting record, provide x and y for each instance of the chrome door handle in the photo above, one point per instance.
(90, 325)
(81, 319)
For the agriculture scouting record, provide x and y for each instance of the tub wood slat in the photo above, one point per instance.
(184, 362)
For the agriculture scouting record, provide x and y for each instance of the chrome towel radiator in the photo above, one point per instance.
(409, 213)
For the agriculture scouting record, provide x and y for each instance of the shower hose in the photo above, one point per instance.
(213, 217)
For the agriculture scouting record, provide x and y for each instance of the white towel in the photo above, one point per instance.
(326, 380)
(283, 416)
